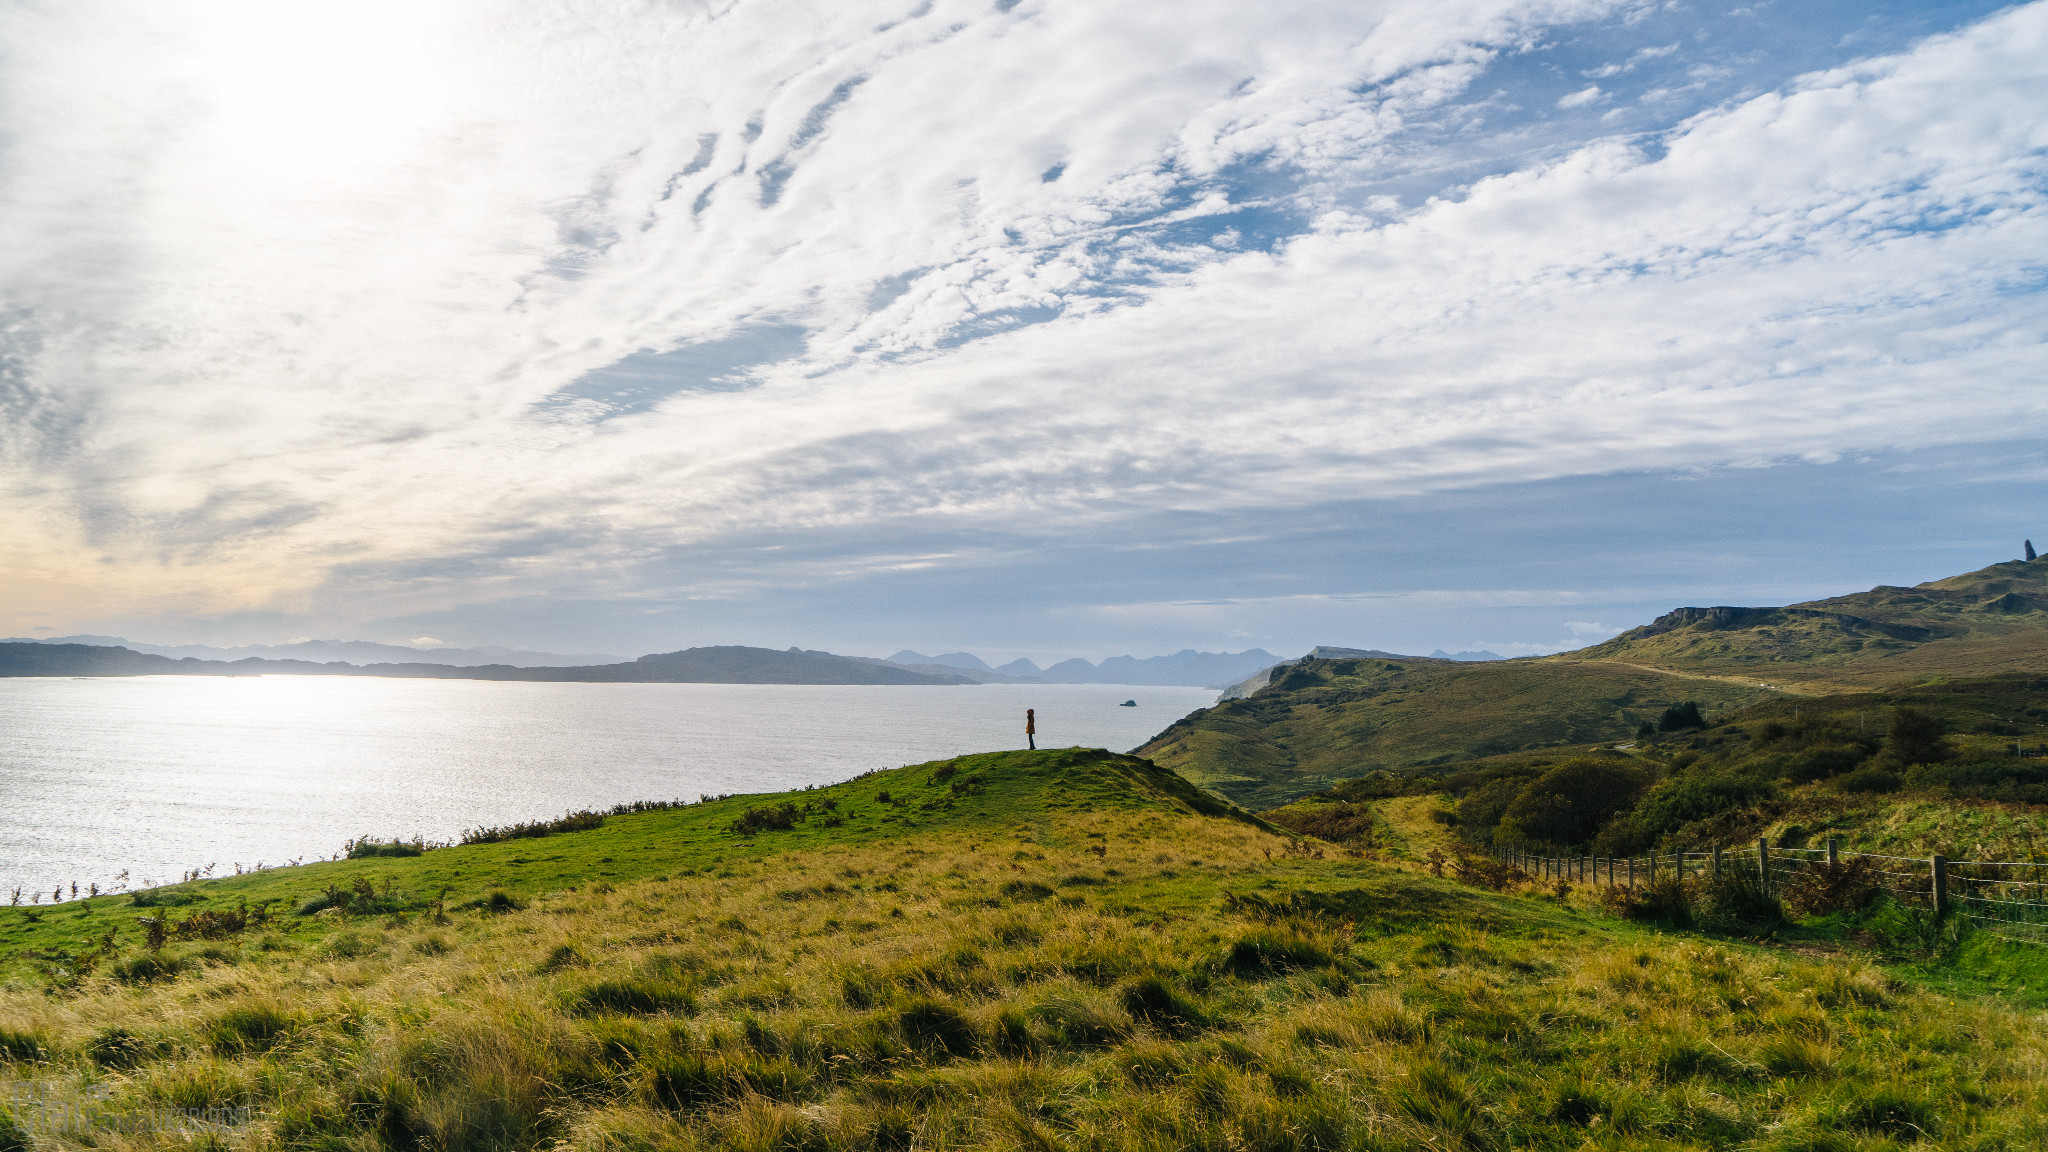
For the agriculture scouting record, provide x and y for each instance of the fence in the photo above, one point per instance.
(2007, 898)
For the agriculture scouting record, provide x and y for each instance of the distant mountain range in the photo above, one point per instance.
(1186, 667)
(723, 664)
(352, 651)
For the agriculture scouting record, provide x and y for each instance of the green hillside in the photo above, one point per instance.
(1330, 720)
(1053, 950)
(1983, 622)
(1794, 770)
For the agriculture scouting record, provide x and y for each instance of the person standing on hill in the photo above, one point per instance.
(1031, 728)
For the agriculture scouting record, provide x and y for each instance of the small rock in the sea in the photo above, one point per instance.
(1128, 704)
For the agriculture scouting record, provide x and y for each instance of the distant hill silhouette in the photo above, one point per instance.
(351, 651)
(723, 664)
(1184, 668)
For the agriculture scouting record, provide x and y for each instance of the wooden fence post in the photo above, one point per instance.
(1940, 866)
(1717, 863)
(1763, 862)
(1631, 873)
(1834, 856)
(1653, 868)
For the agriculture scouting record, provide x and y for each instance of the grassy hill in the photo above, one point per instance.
(1794, 770)
(1983, 622)
(1044, 950)
(1325, 721)
(1328, 720)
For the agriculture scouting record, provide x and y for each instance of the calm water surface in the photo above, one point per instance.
(154, 775)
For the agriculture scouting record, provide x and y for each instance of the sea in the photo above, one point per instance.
(131, 782)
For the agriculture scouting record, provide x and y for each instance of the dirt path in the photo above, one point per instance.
(1413, 833)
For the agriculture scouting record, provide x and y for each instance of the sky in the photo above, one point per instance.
(1028, 327)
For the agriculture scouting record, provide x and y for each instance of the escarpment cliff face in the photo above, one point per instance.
(1988, 621)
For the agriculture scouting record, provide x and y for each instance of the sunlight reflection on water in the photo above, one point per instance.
(160, 774)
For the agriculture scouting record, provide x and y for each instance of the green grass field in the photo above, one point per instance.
(1053, 950)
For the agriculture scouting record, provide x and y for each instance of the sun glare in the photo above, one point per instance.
(310, 90)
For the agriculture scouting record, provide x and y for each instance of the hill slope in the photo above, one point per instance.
(1066, 954)
(1323, 721)
(1988, 621)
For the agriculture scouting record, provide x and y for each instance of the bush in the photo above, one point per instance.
(1481, 809)
(1821, 888)
(2013, 781)
(1570, 803)
(1683, 799)
(570, 822)
(1738, 899)
(1681, 717)
(1870, 780)
(1339, 823)
(363, 847)
(774, 818)
(1817, 763)
(1664, 902)
(1916, 738)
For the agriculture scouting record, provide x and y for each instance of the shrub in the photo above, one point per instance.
(1917, 738)
(1821, 888)
(363, 847)
(774, 818)
(1664, 902)
(1681, 717)
(1570, 803)
(1870, 780)
(497, 903)
(1736, 899)
(1683, 799)
(2013, 780)
(1339, 823)
(569, 822)
(1481, 809)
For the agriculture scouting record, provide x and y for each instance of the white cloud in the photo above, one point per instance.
(1584, 96)
(238, 383)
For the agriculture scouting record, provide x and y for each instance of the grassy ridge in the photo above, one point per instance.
(689, 841)
(1331, 720)
(1052, 950)
(1994, 620)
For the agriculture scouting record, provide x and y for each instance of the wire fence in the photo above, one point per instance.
(2006, 897)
